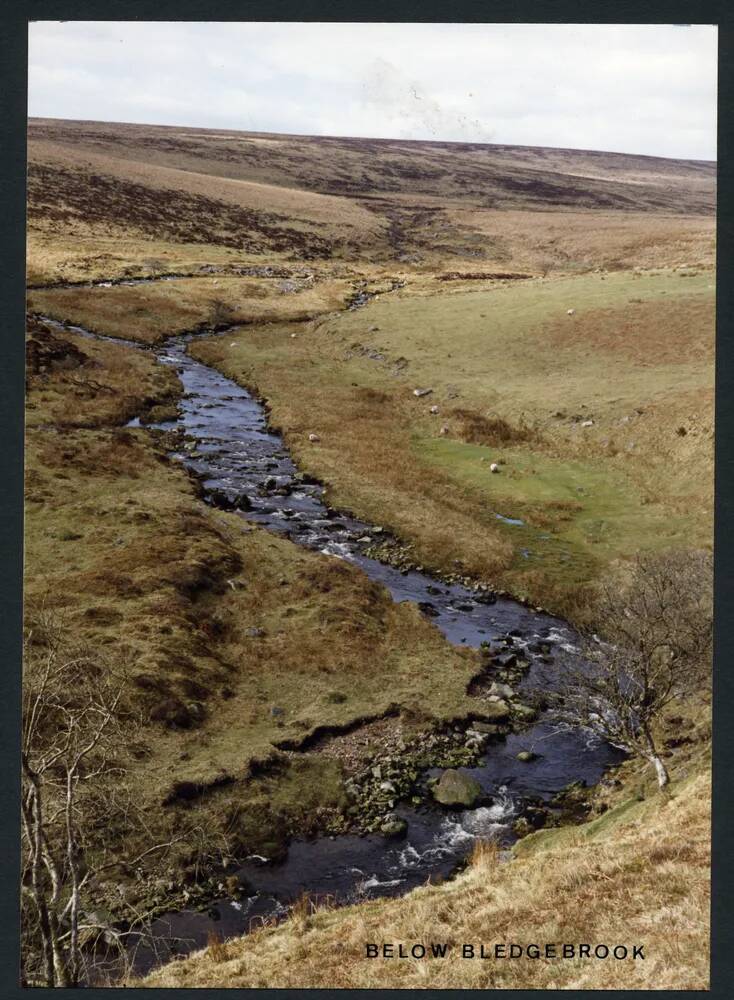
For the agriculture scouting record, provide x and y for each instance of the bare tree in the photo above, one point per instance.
(70, 731)
(221, 313)
(657, 630)
(77, 728)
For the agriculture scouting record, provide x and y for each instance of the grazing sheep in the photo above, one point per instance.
(494, 467)
(313, 437)
(433, 409)
(570, 312)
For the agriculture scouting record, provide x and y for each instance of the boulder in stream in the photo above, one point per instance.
(455, 788)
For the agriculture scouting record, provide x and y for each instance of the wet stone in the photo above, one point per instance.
(455, 788)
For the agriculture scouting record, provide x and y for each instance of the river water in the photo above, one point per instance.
(238, 457)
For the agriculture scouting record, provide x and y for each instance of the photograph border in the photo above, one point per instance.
(13, 117)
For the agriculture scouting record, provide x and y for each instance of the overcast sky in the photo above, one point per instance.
(627, 88)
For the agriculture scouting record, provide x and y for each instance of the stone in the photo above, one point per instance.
(455, 788)
(496, 708)
(444, 430)
(485, 728)
(522, 827)
(101, 925)
(393, 826)
(433, 409)
(387, 786)
(502, 690)
(219, 498)
(587, 423)
(524, 711)
(313, 438)
(428, 609)
(526, 756)
(422, 392)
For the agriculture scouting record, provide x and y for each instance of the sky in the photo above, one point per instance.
(647, 89)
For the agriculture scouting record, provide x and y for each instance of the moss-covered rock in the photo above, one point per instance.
(456, 788)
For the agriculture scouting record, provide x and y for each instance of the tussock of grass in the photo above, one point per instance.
(476, 428)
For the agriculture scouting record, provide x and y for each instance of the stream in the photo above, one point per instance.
(239, 458)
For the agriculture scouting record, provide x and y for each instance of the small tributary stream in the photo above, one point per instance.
(237, 455)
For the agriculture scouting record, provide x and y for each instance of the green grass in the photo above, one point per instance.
(491, 342)
(577, 513)
(557, 838)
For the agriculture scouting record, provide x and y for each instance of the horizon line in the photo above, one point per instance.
(374, 138)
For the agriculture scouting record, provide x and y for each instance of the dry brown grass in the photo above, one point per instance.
(484, 855)
(150, 313)
(476, 428)
(639, 875)
(574, 242)
(74, 381)
(641, 333)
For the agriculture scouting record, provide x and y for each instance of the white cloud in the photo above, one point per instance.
(632, 88)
